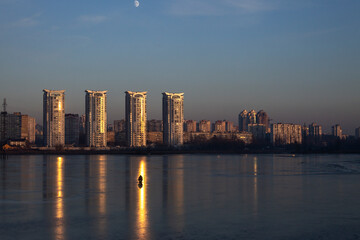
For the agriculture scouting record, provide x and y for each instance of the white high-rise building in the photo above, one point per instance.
(95, 118)
(173, 118)
(54, 118)
(135, 116)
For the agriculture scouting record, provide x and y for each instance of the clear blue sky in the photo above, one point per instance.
(297, 60)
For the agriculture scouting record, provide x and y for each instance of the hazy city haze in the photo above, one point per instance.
(297, 60)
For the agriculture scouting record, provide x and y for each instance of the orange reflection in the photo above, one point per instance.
(142, 220)
(178, 190)
(255, 166)
(255, 184)
(179, 186)
(59, 212)
(102, 185)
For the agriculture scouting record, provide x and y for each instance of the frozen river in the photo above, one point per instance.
(182, 197)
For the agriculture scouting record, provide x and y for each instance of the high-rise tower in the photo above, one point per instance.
(173, 118)
(263, 118)
(95, 118)
(337, 131)
(54, 117)
(243, 121)
(252, 117)
(135, 115)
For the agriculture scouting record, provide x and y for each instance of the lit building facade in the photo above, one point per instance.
(205, 126)
(337, 131)
(282, 134)
(173, 118)
(246, 118)
(28, 128)
(252, 117)
(135, 116)
(190, 126)
(31, 130)
(219, 126)
(96, 118)
(315, 132)
(54, 118)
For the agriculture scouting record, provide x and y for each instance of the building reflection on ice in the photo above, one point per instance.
(54, 192)
(96, 186)
(142, 211)
(255, 160)
(173, 191)
(59, 206)
(102, 176)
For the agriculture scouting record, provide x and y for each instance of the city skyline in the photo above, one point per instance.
(179, 119)
(297, 60)
(327, 127)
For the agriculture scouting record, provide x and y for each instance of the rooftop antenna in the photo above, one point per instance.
(4, 105)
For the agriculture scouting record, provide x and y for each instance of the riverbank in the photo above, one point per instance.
(149, 151)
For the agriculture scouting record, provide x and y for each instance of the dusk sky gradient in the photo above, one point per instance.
(297, 60)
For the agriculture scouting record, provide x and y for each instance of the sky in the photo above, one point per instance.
(297, 60)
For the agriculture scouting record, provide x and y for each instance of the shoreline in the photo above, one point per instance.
(171, 152)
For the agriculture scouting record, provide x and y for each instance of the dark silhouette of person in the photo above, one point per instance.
(140, 179)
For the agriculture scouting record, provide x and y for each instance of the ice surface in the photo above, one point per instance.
(182, 197)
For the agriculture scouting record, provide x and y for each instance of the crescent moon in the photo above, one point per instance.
(136, 3)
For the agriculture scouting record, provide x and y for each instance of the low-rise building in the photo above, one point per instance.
(229, 126)
(154, 137)
(258, 131)
(110, 138)
(189, 126)
(219, 126)
(283, 134)
(155, 125)
(205, 126)
(199, 137)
